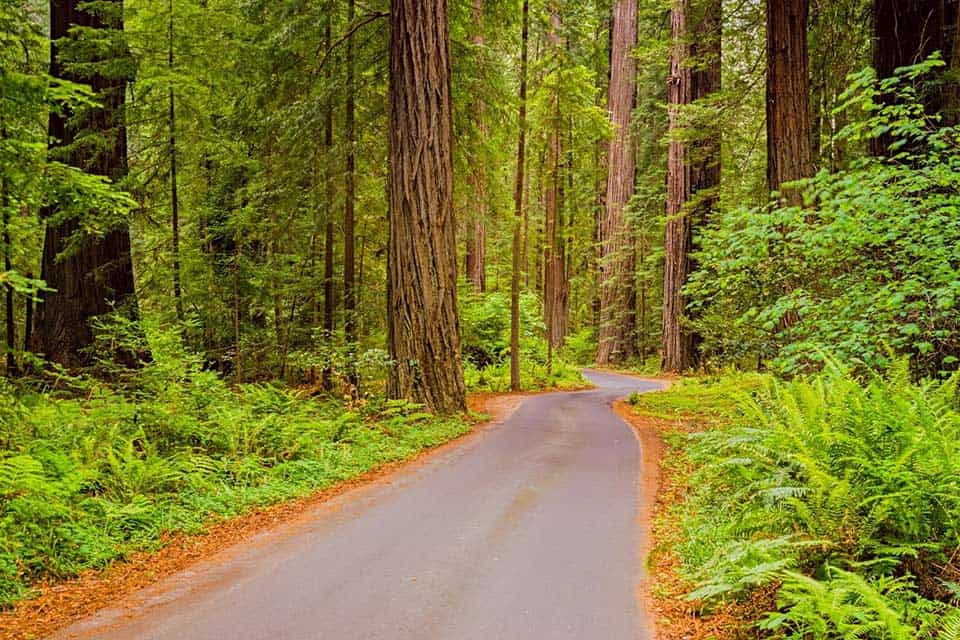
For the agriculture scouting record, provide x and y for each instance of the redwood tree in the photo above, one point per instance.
(96, 275)
(423, 330)
(789, 152)
(555, 285)
(518, 207)
(349, 214)
(476, 254)
(618, 294)
(693, 171)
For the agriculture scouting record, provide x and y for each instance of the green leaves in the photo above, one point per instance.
(869, 266)
(844, 493)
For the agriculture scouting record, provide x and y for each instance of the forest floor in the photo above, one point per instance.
(406, 538)
(59, 604)
(662, 428)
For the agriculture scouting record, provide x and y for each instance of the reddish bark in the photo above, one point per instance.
(97, 276)
(618, 293)
(423, 329)
(693, 172)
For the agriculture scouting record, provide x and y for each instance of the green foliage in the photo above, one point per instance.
(485, 329)
(867, 267)
(846, 494)
(84, 482)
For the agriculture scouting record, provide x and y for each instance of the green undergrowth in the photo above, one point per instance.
(708, 396)
(91, 476)
(534, 376)
(841, 493)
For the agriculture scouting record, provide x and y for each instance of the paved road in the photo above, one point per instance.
(528, 531)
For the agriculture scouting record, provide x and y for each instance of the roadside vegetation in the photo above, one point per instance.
(824, 507)
(96, 468)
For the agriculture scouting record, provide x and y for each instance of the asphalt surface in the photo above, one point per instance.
(527, 531)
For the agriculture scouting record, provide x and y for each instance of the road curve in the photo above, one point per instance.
(528, 531)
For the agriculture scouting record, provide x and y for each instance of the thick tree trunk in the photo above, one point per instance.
(617, 341)
(97, 276)
(518, 216)
(789, 153)
(693, 172)
(422, 325)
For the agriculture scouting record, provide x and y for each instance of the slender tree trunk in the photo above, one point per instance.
(97, 276)
(476, 257)
(423, 329)
(789, 154)
(349, 222)
(554, 284)
(328, 299)
(174, 197)
(618, 289)
(235, 281)
(28, 319)
(12, 369)
(693, 172)
(518, 207)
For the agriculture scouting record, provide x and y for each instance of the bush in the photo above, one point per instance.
(86, 480)
(485, 327)
(846, 495)
(867, 268)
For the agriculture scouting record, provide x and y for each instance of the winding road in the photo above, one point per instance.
(528, 531)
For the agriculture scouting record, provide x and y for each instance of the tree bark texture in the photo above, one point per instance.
(12, 369)
(349, 215)
(617, 341)
(174, 195)
(693, 171)
(98, 276)
(329, 303)
(789, 151)
(423, 328)
(518, 216)
(555, 286)
(476, 254)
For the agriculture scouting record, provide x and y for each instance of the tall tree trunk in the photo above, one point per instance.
(174, 197)
(97, 276)
(423, 329)
(12, 369)
(349, 223)
(518, 207)
(618, 288)
(476, 255)
(554, 282)
(693, 171)
(328, 299)
(28, 319)
(789, 154)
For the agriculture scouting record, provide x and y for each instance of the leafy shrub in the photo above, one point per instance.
(87, 479)
(847, 495)
(867, 267)
(485, 326)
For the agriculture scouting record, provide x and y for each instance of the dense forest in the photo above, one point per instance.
(235, 230)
